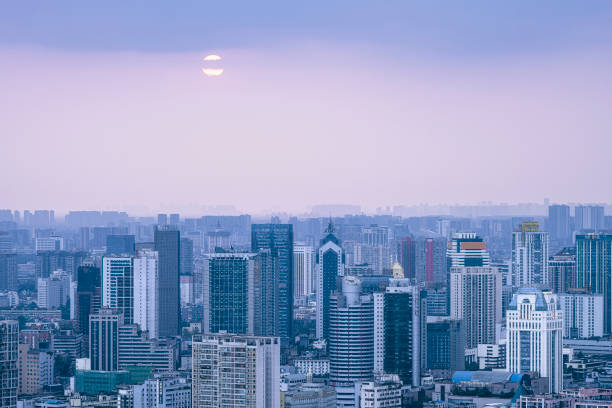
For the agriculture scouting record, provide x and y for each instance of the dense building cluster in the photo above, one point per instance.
(106, 309)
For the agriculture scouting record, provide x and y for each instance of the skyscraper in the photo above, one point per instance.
(559, 223)
(430, 259)
(351, 334)
(303, 270)
(266, 293)
(118, 286)
(186, 256)
(330, 265)
(229, 293)
(529, 255)
(9, 371)
(562, 270)
(235, 371)
(589, 218)
(8, 271)
(398, 321)
(146, 290)
(167, 243)
(162, 219)
(406, 257)
(476, 298)
(104, 339)
(88, 297)
(594, 270)
(535, 331)
(375, 246)
(278, 238)
(467, 249)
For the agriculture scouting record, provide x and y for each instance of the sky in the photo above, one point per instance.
(103, 105)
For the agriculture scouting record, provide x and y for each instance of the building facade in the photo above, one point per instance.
(235, 371)
(146, 290)
(529, 255)
(398, 342)
(9, 357)
(351, 334)
(330, 265)
(167, 244)
(303, 270)
(104, 339)
(118, 286)
(278, 238)
(476, 298)
(535, 336)
(582, 315)
(229, 293)
(594, 270)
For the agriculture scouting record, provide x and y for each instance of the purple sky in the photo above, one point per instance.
(303, 120)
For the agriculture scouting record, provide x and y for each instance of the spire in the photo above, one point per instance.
(330, 227)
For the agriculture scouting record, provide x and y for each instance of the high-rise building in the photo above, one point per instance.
(49, 261)
(476, 298)
(303, 270)
(278, 238)
(529, 255)
(9, 356)
(120, 245)
(118, 285)
(167, 243)
(53, 292)
(88, 297)
(594, 270)
(582, 317)
(84, 238)
(8, 271)
(562, 270)
(430, 259)
(589, 218)
(436, 299)
(229, 293)
(162, 219)
(559, 223)
(351, 334)
(235, 371)
(406, 257)
(535, 336)
(376, 247)
(104, 340)
(175, 219)
(445, 345)
(330, 265)
(146, 290)
(467, 249)
(186, 256)
(266, 294)
(398, 338)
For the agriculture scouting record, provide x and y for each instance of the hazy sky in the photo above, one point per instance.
(360, 102)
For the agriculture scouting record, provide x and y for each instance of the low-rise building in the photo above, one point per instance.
(385, 391)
